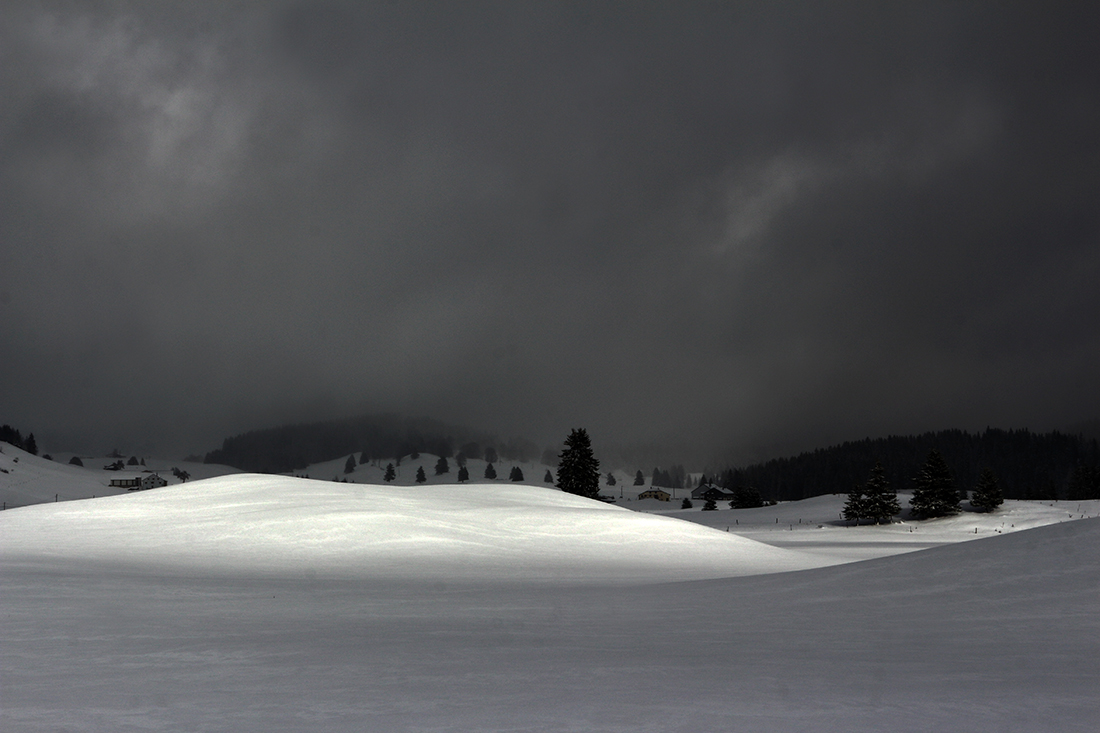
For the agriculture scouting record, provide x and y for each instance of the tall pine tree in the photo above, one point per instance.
(578, 469)
(935, 494)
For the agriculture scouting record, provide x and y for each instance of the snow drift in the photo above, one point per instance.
(274, 524)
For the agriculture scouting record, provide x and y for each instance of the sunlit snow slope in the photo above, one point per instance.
(249, 523)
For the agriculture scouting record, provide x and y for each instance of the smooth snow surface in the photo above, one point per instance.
(814, 525)
(265, 604)
(274, 524)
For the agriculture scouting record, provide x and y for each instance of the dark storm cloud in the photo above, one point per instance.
(760, 226)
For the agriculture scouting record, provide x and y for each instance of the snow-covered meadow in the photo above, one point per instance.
(265, 603)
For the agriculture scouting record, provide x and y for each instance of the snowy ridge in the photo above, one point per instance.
(249, 523)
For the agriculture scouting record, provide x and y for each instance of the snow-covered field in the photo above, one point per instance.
(815, 525)
(264, 603)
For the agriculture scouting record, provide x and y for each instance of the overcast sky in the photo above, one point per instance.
(761, 227)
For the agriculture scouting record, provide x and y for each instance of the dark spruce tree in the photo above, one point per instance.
(490, 472)
(1084, 483)
(880, 501)
(853, 507)
(549, 477)
(390, 473)
(441, 466)
(639, 478)
(516, 474)
(934, 494)
(420, 477)
(578, 469)
(686, 503)
(463, 474)
(610, 479)
(76, 461)
(8, 434)
(746, 497)
(710, 506)
(987, 494)
(349, 464)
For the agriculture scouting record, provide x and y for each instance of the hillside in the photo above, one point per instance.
(289, 448)
(28, 479)
(251, 523)
(268, 603)
(1028, 465)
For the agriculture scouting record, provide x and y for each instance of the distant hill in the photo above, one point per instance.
(29, 479)
(1028, 465)
(294, 447)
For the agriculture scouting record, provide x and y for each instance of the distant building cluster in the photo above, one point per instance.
(139, 483)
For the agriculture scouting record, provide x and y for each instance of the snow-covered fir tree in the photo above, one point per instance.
(935, 494)
(880, 501)
(853, 507)
(578, 469)
(987, 494)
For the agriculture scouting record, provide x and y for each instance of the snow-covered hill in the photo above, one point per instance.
(28, 479)
(261, 603)
(249, 523)
(405, 470)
